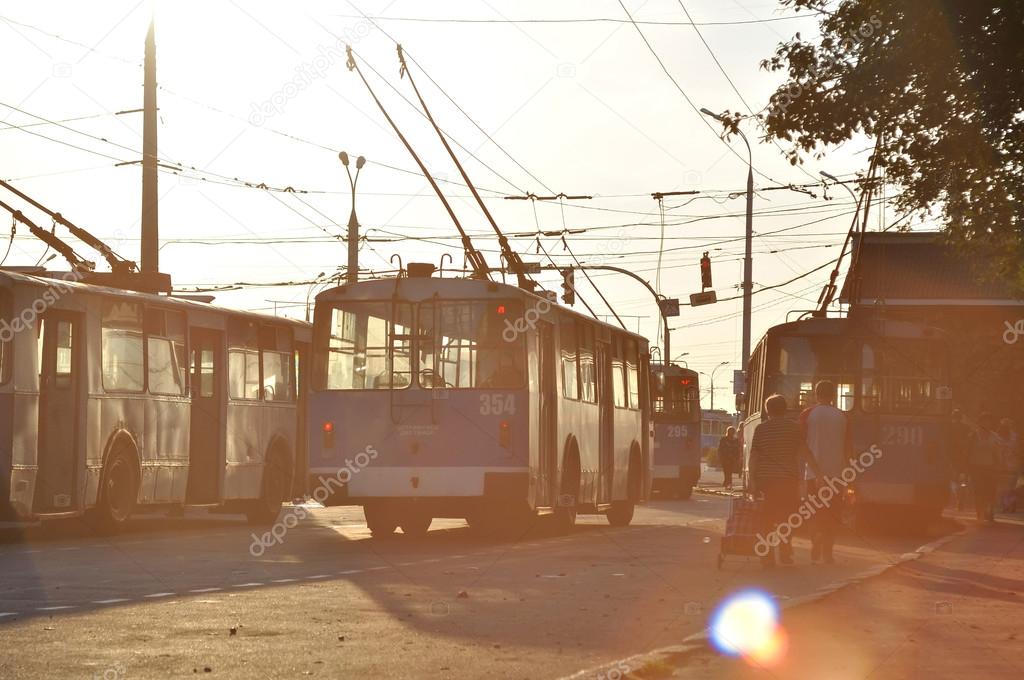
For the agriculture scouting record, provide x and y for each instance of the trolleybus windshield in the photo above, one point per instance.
(368, 346)
(472, 344)
(675, 399)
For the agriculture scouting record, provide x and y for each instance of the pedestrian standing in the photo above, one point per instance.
(775, 456)
(960, 437)
(1007, 486)
(985, 463)
(825, 433)
(729, 455)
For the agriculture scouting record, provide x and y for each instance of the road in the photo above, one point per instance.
(176, 596)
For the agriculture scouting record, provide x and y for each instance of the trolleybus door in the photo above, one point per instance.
(204, 458)
(59, 380)
(606, 442)
(548, 449)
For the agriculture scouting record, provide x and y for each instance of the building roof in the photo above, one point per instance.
(902, 268)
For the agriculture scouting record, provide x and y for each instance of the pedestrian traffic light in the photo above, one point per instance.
(705, 271)
(568, 286)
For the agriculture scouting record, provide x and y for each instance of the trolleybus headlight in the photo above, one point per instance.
(328, 435)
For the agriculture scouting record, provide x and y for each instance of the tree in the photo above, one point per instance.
(938, 85)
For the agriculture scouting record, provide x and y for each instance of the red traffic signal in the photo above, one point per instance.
(705, 271)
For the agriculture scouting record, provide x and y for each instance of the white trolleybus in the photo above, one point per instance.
(464, 398)
(114, 402)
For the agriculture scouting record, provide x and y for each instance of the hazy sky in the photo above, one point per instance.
(259, 91)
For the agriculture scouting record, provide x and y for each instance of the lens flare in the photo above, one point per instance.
(746, 624)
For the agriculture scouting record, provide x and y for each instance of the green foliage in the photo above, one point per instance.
(939, 86)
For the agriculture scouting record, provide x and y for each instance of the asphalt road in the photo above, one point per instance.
(174, 597)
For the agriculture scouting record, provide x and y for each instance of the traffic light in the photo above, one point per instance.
(705, 271)
(568, 286)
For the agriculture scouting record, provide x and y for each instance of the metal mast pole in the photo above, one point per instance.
(150, 247)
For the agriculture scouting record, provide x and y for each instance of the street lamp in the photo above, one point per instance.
(747, 261)
(352, 273)
(680, 356)
(712, 380)
(836, 180)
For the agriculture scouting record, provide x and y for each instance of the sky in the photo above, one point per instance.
(258, 93)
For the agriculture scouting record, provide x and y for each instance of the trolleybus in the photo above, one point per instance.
(464, 398)
(891, 379)
(113, 402)
(675, 393)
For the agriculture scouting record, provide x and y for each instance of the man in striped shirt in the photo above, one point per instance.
(776, 452)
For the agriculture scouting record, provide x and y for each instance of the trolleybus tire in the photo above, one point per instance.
(274, 488)
(564, 515)
(415, 524)
(118, 492)
(380, 520)
(621, 513)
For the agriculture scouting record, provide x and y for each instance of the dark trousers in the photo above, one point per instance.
(727, 470)
(827, 519)
(781, 499)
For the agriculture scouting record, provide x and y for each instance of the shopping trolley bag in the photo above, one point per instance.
(741, 528)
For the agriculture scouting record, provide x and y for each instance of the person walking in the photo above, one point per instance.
(825, 433)
(776, 452)
(729, 456)
(1006, 486)
(985, 462)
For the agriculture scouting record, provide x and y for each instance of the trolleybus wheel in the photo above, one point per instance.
(380, 520)
(264, 510)
(621, 513)
(415, 524)
(119, 488)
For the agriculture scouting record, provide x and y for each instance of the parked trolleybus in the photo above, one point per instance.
(470, 399)
(675, 400)
(891, 378)
(113, 401)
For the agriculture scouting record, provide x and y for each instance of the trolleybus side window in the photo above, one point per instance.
(633, 373)
(277, 357)
(121, 352)
(900, 376)
(569, 345)
(466, 344)
(243, 360)
(618, 373)
(754, 381)
(165, 351)
(587, 371)
(369, 346)
(804, 360)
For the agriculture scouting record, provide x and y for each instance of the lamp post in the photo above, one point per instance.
(352, 272)
(712, 379)
(747, 261)
(680, 356)
(836, 180)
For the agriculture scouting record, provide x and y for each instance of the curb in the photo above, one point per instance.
(698, 643)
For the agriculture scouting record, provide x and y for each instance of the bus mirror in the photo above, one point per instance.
(741, 402)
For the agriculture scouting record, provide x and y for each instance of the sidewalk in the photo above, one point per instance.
(956, 612)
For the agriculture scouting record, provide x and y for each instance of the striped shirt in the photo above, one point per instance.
(774, 450)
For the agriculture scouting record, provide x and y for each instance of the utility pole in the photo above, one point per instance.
(352, 274)
(748, 265)
(150, 246)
